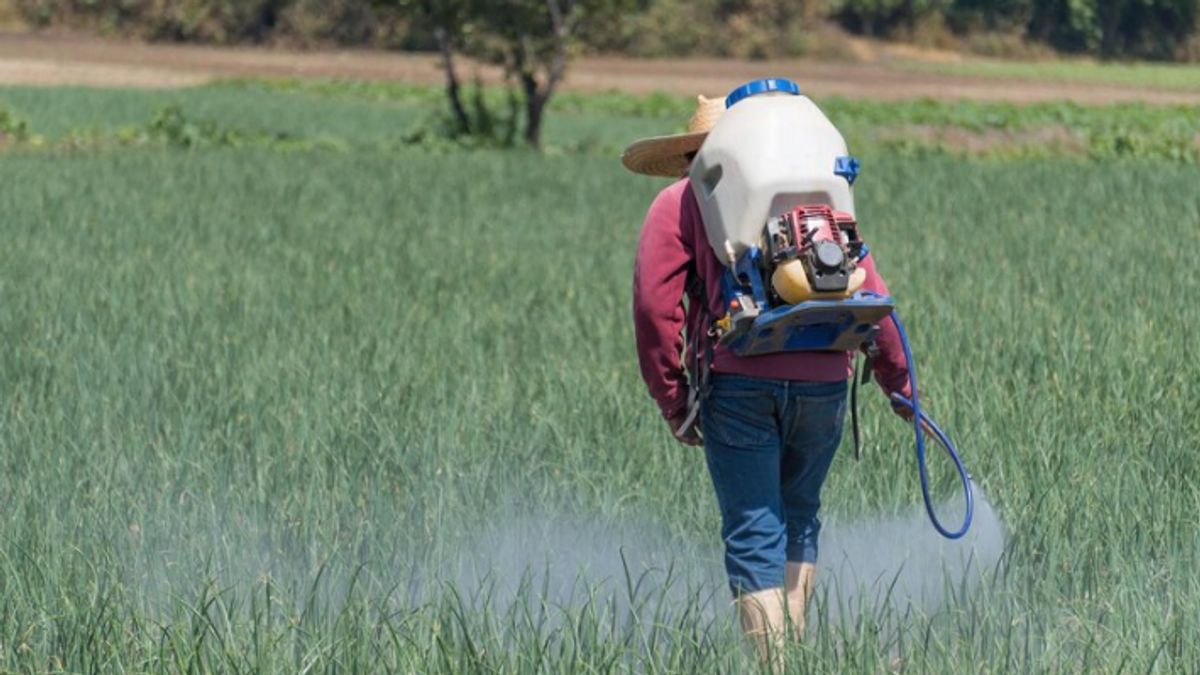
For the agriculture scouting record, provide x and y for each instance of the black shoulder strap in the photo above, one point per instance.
(701, 354)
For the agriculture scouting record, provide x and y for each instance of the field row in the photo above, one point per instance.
(387, 115)
(277, 411)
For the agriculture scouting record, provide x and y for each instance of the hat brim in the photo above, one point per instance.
(663, 155)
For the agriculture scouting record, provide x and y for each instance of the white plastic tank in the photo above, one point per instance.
(772, 150)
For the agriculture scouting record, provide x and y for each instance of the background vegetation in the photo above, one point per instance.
(532, 41)
(1153, 29)
(275, 367)
(348, 116)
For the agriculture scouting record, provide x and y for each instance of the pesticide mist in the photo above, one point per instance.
(627, 578)
(900, 564)
(890, 565)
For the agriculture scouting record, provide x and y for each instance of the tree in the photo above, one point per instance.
(447, 22)
(531, 40)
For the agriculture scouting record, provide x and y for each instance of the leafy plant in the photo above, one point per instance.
(171, 126)
(12, 128)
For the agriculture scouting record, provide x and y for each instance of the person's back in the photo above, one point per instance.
(771, 423)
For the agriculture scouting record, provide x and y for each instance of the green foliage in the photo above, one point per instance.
(170, 126)
(532, 40)
(1156, 29)
(1011, 130)
(487, 128)
(918, 127)
(208, 20)
(1173, 76)
(753, 29)
(346, 22)
(224, 21)
(887, 17)
(662, 28)
(260, 408)
(12, 128)
(331, 115)
(372, 91)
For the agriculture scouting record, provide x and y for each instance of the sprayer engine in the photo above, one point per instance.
(812, 251)
(810, 255)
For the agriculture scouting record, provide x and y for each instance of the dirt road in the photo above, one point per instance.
(61, 60)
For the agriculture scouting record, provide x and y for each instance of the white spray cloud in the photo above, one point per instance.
(890, 564)
(884, 565)
(901, 563)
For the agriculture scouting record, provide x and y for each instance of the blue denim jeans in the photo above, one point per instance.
(769, 444)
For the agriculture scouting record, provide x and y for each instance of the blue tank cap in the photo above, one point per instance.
(761, 87)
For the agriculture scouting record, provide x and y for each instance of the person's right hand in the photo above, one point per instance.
(905, 413)
(690, 437)
(902, 411)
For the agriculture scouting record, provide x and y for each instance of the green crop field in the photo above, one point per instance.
(308, 398)
(1170, 76)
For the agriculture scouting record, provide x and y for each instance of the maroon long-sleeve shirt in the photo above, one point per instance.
(672, 245)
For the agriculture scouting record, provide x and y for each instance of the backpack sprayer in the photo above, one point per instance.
(773, 183)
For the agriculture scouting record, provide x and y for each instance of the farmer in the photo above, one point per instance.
(770, 423)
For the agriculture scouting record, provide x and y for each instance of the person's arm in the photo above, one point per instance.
(659, 280)
(891, 370)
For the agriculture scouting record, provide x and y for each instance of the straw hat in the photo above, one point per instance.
(667, 155)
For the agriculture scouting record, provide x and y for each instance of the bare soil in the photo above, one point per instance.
(51, 60)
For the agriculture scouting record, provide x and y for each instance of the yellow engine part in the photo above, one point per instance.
(791, 283)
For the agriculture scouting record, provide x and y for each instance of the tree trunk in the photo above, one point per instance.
(538, 95)
(462, 122)
(533, 128)
(535, 105)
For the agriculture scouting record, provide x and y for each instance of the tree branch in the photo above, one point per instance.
(560, 20)
(453, 89)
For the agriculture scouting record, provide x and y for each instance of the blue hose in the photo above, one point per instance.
(918, 431)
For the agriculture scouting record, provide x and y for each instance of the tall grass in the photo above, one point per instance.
(280, 412)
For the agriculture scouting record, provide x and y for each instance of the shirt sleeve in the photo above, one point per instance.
(659, 283)
(891, 369)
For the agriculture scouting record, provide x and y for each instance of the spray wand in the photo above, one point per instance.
(921, 422)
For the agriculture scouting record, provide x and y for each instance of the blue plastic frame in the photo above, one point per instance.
(816, 325)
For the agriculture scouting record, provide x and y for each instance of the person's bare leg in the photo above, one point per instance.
(762, 615)
(798, 581)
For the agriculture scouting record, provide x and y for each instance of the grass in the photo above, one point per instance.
(274, 411)
(917, 127)
(60, 112)
(373, 116)
(1173, 76)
